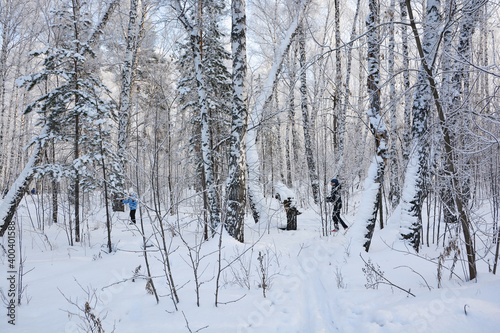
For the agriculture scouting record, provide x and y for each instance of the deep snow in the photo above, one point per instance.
(316, 284)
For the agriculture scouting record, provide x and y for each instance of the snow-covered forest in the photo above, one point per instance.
(224, 119)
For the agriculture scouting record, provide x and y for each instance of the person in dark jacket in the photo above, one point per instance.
(291, 214)
(336, 199)
(132, 203)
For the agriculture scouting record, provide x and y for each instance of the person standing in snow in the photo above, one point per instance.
(132, 203)
(291, 214)
(336, 199)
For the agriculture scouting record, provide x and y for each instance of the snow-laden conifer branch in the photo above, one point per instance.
(20, 186)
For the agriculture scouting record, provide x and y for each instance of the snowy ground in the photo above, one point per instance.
(315, 283)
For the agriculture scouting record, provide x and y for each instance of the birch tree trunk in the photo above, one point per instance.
(20, 187)
(125, 95)
(12, 15)
(311, 165)
(394, 189)
(416, 172)
(447, 94)
(460, 180)
(463, 217)
(290, 122)
(3, 79)
(339, 110)
(236, 194)
(255, 194)
(208, 167)
(373, 184)
(347, 92)
(406, 82)
(55, 186)
(76, 146)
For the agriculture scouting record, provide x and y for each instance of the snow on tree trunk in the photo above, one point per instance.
(450, 158)
(311, 165)
(3, 79)
(126, 87)
(236, 194)
(208, 167)
(347, 92)
(406, 82)
(21, 184)
(416, 173)
(374, 181)
(76, 144)
(460, 178)
(213, 203)
(339, 110)
(255, 194)
(291, 137)
(394, 192)
(103, 21)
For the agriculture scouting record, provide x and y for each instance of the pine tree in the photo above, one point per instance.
(9, 206)
(75, 112)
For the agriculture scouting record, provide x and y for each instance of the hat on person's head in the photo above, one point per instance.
(130, 190)
(335, 181)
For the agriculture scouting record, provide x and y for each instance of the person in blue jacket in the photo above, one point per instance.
(336, 199)
(132, 203)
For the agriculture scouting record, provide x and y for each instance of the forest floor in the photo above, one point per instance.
(313, 283)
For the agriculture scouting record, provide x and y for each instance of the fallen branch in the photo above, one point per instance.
(384, 278)
(417, 274)
(418, 256)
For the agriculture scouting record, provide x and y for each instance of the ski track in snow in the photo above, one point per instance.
(307, 284)
(317, 311)
(316, 284)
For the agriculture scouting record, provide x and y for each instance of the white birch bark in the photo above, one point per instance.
(416, 172)
(375, 180)
(236, 179)
(406, 82)
(126, 84)
(255, 194)
(308, 145)
(450, 158)
(394, 191)
(347, 92)
(460, 82)
(338, 95)
(20, 186)
(194, 33)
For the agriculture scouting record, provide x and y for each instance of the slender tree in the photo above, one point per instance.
(416, 172)
(236, 194)
(127, 78)
(194, 30)
(394, 192)
(449, 153)
(255, 194)
(306, 125)
(373, 193)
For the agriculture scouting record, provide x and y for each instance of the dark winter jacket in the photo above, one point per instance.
(335, 198)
